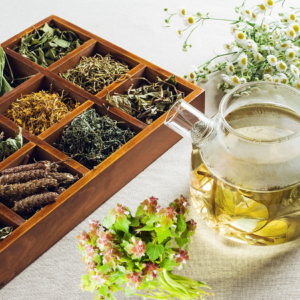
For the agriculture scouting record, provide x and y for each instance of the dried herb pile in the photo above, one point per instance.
(4, 85)
(5, 232)
(93, 74)
(10, 145)
(39, 111)
(91, 138)
(47, 45)
(150, 101)
(28, 188)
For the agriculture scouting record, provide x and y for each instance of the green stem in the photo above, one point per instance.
(220, 55)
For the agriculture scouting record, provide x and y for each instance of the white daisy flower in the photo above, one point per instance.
(179, 32)
(247, 13)
(291, 18)
(284, 46)
(268, 77)
(291, 34)
(253, 16)
(225, 77)
(212, 65)
(262, 8)
(182, 11)
(296, 49)
(296, 84)
(269, 3)
(283, 78)
(240, 36)
(296, 28)
(258, 57)
(235, 80)
(290, 54)
(276, 34)
(272, 60)
(250, 45)
(284, 33)
(230, 68)
(276, 79)
(266, 48)
(295, 71)
(228, 47)
(277, 22)
(269, 70)
(243, 80)
(188, 20)
(191, 76)
(281, 66)
(233, 29)
(265, 26)
(243, 60)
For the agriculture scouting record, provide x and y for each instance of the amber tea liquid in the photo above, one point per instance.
(249, 215)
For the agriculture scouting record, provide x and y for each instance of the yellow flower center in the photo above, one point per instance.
(193, 81)
(296, 27)
(262, 7)
(282, 66)
(269, 78)
(292, 33)
(276, 79)
(284, 45)
(253, 16)
(291, 55)
(231, 68)
(227, 46)
(190, 20)
(183, 12)
(247, 11)
(235, 79)
(240, 36)
(192, 76)
(179, 32)
(270, 2)
(284, 80)
(258, 57)
(298, 85)
(273, 60)
(292, 17)
(268, 69)
(244, 61)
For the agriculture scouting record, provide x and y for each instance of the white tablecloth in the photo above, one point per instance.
(234, 271)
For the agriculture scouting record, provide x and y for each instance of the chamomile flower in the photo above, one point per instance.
(284, 46)
(179, 32)
(277, 22)
(191, 76)
(253, 17)
(235, 80)
(225, 77)
(296, 84)
(230, 68)
(291, 18)
(233, 29)
(284, 33)
(188, 20)
(295, 71)
(240, 36)
(281, 66)
(228, 47)
(296, 28)
(276, 79)
(295, 48)
(262, 8)
(272, 60)
(269, 70)
(283, 78)
(250, 45)
(290, 54)
(269, 3)
(243, 60)
(182, 11)
(265, 26)
(266, 48)
(268, 77)
(247, 13)
(258, 57)
(243, 80)
(276, 34)
(291, 34)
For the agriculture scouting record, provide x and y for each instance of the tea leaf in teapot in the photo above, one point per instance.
(93, 74)
(149, 101)
(47, 45)
(5, 232)
(91, 138)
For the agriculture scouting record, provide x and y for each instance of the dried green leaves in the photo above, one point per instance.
(9, 146)
(90, 138)
(148, 102)
(93, 74)
(5, 232)
(47, 45)
(4, 85)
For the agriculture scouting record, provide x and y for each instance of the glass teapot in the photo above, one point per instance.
(245, 163)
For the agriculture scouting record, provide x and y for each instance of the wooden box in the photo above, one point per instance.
(33, 237)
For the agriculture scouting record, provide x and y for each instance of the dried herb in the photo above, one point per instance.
(47, 45)
(9, 146)
(5, 232)
(93, 74)
(35, 201)
(39, 111)
(4, 85)
(90, 138)
(149, 101)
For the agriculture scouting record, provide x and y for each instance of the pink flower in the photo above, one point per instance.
(137, 247)
(149, 206)
(89, 250)
(120, 211)
(181, 205)
(151, 270)
(100, 278)
(134, 279)
(182, 256)
(90, 266)
(191, 225)
(94, 224)
(110, 255)
(83, 238)
(105, 239)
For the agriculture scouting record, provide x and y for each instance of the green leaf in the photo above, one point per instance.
(181, 242)
(105, 268)
(154, 251)
(103, 290)
(121, 269)
(135, 222)
(122, 224)
(162, 233)
(47, 28)
(140, 211)
(168, 264)
(181, 225)
(109, 220)
(147, 228)
(129, 291)
(61, 43)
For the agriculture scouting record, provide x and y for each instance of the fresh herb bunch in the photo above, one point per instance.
(149, 101)
(4, 85)
(92, 138)
(47, 45)
(134, 253)
(264, 47)
(10, 145)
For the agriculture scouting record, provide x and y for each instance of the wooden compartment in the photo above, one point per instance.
(33, 237)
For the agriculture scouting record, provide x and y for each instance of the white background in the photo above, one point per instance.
(233, 271)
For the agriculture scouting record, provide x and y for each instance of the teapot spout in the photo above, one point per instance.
(189, 122)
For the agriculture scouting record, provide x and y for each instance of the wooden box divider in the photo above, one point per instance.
(34, 236)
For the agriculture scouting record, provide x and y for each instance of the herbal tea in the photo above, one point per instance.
(264, 213)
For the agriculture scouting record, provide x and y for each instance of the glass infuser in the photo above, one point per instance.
(245, 162)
